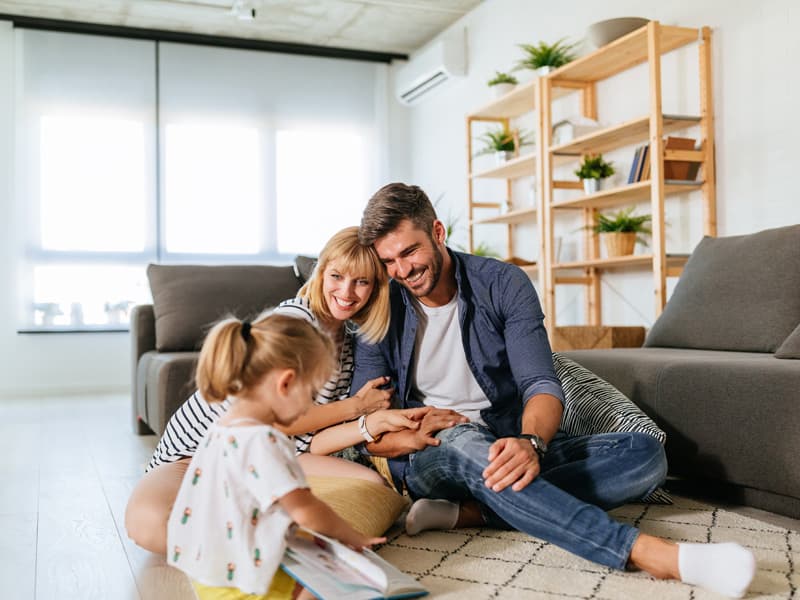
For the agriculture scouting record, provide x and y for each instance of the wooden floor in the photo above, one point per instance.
(68, 465)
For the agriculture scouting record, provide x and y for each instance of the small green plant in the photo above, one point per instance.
(501, 140)
(594, 167)
(483, 249)
(624, 221)
(501, 77)
(546, 55)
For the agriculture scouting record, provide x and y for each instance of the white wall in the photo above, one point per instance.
(756, 92)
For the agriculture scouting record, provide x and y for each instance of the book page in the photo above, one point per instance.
(330, 569)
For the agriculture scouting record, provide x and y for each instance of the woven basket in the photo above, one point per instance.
(619, 243)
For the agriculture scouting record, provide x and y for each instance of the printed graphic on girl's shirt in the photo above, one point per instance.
(197, 472)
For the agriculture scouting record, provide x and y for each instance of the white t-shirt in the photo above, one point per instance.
(226, 528)
(442, 376)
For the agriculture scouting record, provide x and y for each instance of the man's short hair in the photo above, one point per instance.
(392, 204)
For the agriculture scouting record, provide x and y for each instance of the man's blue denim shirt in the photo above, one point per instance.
(505, 342)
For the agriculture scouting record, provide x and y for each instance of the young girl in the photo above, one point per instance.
(244, 486)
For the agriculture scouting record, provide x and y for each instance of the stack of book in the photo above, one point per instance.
(674, 170)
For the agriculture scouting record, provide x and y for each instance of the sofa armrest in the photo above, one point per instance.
(143, 339)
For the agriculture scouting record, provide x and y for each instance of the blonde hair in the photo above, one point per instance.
(359, 261)
(236, 355)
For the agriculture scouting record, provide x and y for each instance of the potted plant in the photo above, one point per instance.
(593, 169)
(502, 83)
(543, 57)
(483, 249)
(503, 143)
(621, 230)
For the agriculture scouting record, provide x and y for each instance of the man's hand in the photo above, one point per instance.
(511, 461)
(434, 421)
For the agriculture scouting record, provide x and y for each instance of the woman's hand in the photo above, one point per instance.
(385, 420)
(370, 398)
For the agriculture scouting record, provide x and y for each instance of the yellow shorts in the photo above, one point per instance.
(281, 588)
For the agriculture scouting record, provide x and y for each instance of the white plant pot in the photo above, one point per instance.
(502, 157)
(501, 89)
(591, 186)
(542, 71)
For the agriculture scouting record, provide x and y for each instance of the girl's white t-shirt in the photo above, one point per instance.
(226, 528)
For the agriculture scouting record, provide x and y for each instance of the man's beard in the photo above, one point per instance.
(435, 273)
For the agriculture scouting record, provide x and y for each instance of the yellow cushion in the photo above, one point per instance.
(369, 507)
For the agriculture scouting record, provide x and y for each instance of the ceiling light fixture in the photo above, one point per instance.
(244, 10)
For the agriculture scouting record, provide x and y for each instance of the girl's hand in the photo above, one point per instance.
(359, 541)
(369, 398)
(382, 421)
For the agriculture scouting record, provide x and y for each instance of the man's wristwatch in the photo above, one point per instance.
(538, 443)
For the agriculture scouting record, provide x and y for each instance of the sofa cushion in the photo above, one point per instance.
(729, 416)
(304, 266)
(188, 299)
(592, 405)
(736, 293)
(790, 348)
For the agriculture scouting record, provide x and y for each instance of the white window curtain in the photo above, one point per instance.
(265, 155)
(133, 152)
(85, 177)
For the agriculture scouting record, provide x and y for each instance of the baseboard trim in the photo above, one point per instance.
(47, 391)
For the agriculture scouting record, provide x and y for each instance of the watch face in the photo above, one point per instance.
(537, 442)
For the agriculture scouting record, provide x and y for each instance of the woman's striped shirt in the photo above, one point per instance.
(190, 422)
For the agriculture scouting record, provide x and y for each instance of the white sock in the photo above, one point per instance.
(726, 568)
(431, 514)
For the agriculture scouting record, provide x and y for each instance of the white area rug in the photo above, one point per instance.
(484, 563)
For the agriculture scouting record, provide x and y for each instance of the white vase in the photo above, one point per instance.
(542, 71)
(501, 89)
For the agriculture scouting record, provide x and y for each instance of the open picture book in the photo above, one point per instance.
(331, 571)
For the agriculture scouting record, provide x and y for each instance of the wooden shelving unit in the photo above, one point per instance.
(625, 194)
(520, 166)
(618, 136)
(523, 99)
(645, 45)
(525, 215)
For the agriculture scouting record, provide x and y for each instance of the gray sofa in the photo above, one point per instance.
(720, 370)
(187, 299)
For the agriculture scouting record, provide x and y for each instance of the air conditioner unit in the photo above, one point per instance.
(432, 67)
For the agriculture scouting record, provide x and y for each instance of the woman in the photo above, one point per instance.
(347, 295)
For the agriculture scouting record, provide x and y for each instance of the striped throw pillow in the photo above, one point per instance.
(592, 405)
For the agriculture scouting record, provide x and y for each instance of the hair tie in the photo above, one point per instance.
(246, 327)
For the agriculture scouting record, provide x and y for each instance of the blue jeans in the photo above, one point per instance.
(564, 505)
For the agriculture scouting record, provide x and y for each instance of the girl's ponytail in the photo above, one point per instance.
(236, 354)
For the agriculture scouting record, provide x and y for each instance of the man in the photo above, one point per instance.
(467, 337)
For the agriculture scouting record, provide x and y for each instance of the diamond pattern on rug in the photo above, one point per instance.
(468, 564)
